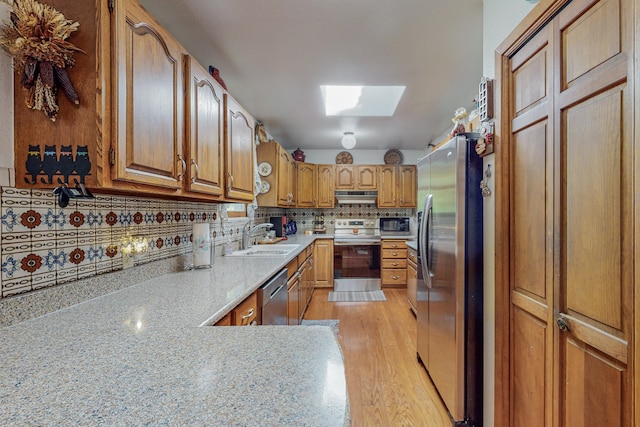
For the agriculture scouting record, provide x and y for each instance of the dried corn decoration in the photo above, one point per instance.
(37, 37)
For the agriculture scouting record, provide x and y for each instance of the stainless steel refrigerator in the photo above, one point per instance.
(449, 299)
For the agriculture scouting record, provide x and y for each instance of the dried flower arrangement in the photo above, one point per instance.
(36, 38)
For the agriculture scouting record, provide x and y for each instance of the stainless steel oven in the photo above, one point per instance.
(356, 255)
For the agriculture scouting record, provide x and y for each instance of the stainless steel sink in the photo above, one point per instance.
(279, 249)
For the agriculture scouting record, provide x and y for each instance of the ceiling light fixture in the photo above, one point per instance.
(348, 140)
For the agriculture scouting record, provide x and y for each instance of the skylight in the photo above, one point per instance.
(361, 100)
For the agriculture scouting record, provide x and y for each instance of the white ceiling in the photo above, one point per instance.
(274, 54)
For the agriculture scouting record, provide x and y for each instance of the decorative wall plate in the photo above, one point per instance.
(264, 187)
(264, 169)
(393, 157)
(344, 158)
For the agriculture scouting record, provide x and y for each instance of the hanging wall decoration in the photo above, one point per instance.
(36, 37)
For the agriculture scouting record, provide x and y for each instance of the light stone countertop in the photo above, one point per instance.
(138, 356)
(413, 244)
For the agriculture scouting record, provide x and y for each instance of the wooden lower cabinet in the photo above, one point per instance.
(412, 278)
(323, 258)
(293, 296)
(245, 314)
(394, 263)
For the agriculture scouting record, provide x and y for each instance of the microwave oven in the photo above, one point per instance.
(394, 225)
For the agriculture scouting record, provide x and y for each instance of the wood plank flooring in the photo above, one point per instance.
(387, 385)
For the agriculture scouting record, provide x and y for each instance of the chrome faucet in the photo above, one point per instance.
(248, 232)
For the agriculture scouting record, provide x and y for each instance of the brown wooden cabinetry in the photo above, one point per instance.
(293, 297)
(323, 256)
(136, 86)
(281, 180)
(356, 177)
(394, 263)
(149, 101)
(239, 148)
(398, 186)
(326, 186)
(244, 314)
(407, 186)
(307, 185)
(205, 126)
(412, 278)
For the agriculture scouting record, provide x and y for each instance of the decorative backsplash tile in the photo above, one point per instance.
(43, 245)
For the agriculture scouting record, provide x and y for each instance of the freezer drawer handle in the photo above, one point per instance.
(563, 325)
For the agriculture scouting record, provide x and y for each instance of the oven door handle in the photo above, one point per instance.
(357, 243)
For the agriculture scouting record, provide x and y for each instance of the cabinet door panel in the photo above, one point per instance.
(326, 186)
(239, 126)
(307, 185)
(407, 187)
(150, 102)
(204, 132)
(387, 192)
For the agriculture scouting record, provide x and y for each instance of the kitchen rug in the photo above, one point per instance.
(355, 296)
(332, 323)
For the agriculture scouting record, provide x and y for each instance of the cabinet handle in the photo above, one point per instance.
(563, 325)
(193, 178)
(246, 317)
(394, 264)
(394, 246)
(184, 167)
(231, 180)
(395, 277)
(395, 254)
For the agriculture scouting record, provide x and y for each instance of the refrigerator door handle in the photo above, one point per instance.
(424, 236)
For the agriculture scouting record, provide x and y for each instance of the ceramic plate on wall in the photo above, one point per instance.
(393, 157)
(344, 158)
(264, 169)
(264, 187)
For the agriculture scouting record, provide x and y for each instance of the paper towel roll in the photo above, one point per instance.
(201, 246)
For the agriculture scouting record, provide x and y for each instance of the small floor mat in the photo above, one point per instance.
(356, 296)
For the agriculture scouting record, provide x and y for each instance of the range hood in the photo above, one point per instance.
(357, 197)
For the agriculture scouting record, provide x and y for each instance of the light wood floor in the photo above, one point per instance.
(387, 385)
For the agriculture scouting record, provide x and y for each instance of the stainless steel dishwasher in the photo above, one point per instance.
(272, 297)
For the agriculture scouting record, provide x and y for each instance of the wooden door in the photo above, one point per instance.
(407, 186)
(345, 177)
(204, 130)
(307, 180)
(239, 149)
(568, 217)
(149, 100)
(326, 186)
(367, 178)
(387, 192)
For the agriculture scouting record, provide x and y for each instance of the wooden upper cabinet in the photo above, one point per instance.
(307, 184)
(205, 125)
(286, 178)
(356, 177)
(398, 186)
(387, 192)
(149, 101)
(407, 186)
(281, 178)
(239, 137)
(326, 186)
(345, 177)
(367, 177)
